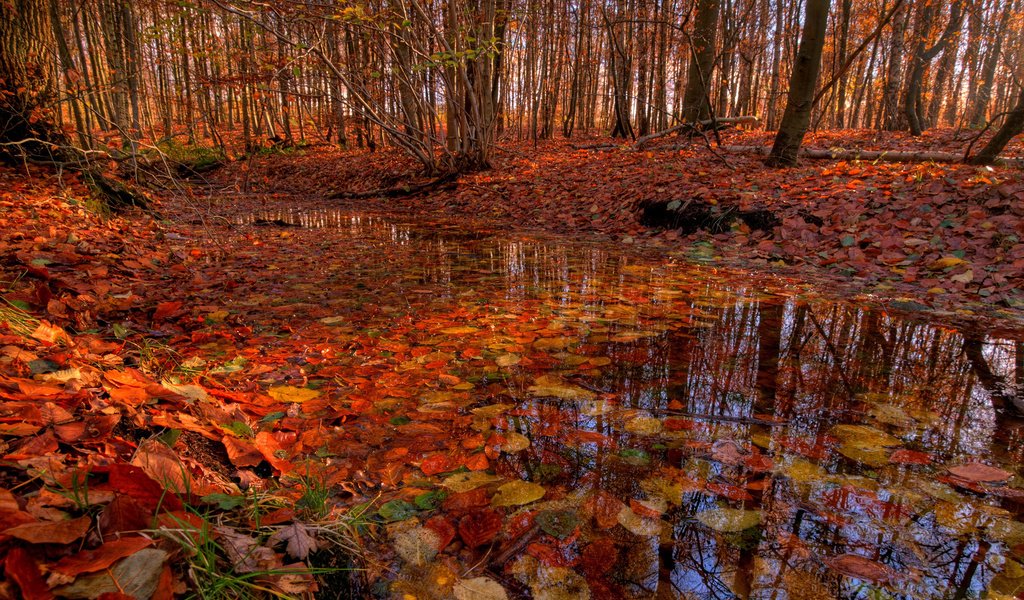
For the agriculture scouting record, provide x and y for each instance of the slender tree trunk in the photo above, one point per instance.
(800, 103)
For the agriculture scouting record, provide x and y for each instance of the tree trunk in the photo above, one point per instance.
(26, 87)
(702, 60)
(923, 55)
(797, 117)
(1012, 127)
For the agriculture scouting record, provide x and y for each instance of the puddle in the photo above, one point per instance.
(605, 425)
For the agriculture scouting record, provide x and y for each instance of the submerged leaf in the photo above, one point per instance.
(479, 588)
(517, 493)
(728, 520)
(464, 482)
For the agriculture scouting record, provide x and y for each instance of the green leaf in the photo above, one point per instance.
(224, 501)
(558, 523)
(396, 510)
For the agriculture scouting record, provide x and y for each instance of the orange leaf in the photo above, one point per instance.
(166, 309)
(51, 532)
(436, 463)
(477, 462)
(240, 452)
(89, 561)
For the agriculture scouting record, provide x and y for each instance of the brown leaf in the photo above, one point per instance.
(859, 567)
(299, 541)
(51, 532)
(480, 527)
(979, 473)
(97, 559)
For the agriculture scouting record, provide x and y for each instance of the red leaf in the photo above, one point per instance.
(479, 528)
(23, 570)
(599, 557)
(910, 457)
(133, 481)
(123, 514)
(89, 561)
(443, 528)
(166, 309)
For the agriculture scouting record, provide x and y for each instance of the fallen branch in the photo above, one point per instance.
(400, 191)
(699, 126)
(872, 155)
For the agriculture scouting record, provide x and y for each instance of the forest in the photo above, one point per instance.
(501, 299)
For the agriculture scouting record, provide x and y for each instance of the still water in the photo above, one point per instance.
(555, 418)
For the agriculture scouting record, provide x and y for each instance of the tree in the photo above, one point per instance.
(800, 102)
(696, 106)
(27, 130)
(923, 55)
(1012, 127)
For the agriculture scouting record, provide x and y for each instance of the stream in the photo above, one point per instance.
(568, 419)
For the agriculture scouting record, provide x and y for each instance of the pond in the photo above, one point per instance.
(536, 416)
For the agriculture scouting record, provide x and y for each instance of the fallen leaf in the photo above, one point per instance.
(299, 542)
(979, 473)
(517, 493)
(859, 567)
(51, 532)
(292, 395)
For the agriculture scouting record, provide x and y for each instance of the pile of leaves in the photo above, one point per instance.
(112, 480)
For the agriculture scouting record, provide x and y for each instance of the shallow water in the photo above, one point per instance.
(691, 432)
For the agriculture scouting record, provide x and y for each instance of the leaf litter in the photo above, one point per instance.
(470, 444)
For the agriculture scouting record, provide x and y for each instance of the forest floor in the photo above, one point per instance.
(939, 236)
(100, 349)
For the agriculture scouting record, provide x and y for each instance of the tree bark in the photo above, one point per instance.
(797, 117)
(702, 60)
(923, 55)
(1012, 127)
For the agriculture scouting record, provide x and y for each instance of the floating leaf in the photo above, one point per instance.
(517, 493)
(292, 394)
(558, 523)
(859, 567)
(728, 520)
(515, 442)
(870, 456)
(564, 392)
(862, 436)
(479, 588)
(507, 360)
(644, 425)
(464, 482)
(479, 527)
(634, 523)
(459, 330)
(979, 473)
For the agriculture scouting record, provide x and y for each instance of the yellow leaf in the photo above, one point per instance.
(517, 493)
(464, 482)
(946, 262)
(290, 393)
